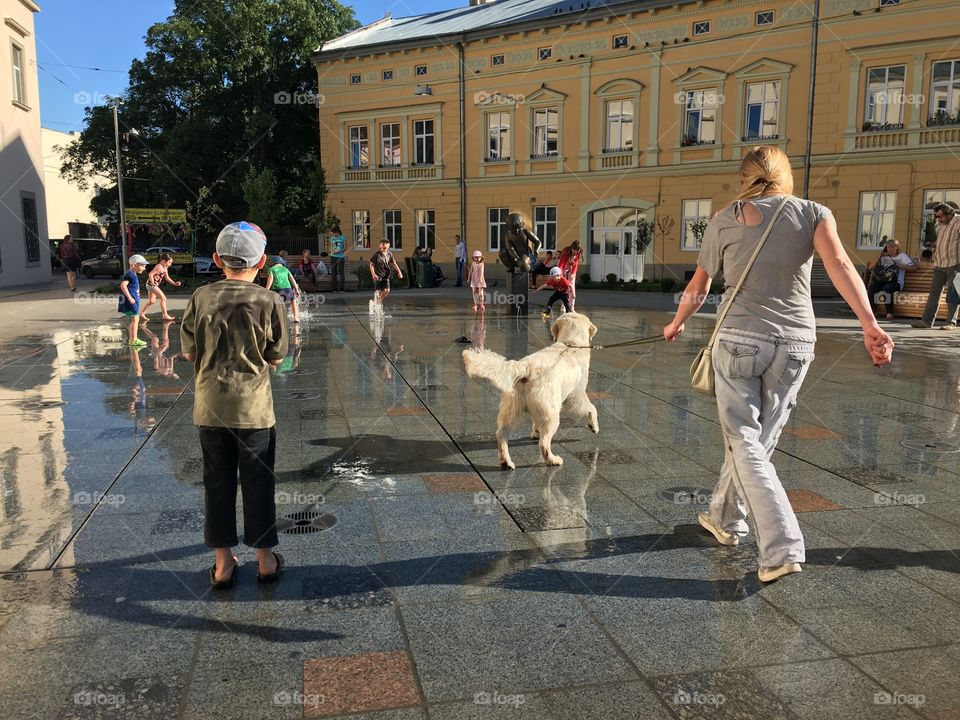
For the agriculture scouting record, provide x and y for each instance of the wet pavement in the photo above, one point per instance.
(424, 582)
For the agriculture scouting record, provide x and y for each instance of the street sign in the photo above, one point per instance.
(155, 215)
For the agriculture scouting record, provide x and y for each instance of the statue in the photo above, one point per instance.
(520, 250)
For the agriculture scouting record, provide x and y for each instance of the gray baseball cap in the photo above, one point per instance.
(241, 245)
(137, 260)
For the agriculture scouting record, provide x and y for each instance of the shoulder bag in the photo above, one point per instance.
(701, 371)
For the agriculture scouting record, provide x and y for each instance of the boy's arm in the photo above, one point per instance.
(276, 348)
(188, 332)
(123, 289)
(397, 268)
(373, 271)
(269, 280)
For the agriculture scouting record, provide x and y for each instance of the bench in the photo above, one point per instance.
(911, 301)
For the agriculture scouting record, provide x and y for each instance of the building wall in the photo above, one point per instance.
(21, 156)
(66, 202)
(661, 61)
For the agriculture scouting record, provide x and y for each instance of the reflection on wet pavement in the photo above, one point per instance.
(446, 583)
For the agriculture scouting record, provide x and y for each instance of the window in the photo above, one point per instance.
(889, 3)
(877, 214)
(31, 229)
(620, 41)
(426, 229)
(19, 90)
(945, 93)
(619, 126)
(693, 216)
(423, 142)
(359, 147)
(545, 225)
(355, 79)
(545, 53)
(762, 114)
(764, 17)
(496, 60)
(884, 107)
(700, 121)
(545, 132)
(496, 227)
(388, 74)
(393, 228)
(701, 28)
(498, 136)
(421, 70)
(931, 198)
(361, 228)
(390, 144)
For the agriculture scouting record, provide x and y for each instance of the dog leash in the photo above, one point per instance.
(625, 343)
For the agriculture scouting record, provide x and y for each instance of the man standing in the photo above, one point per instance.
(946, 262)
(460, 255)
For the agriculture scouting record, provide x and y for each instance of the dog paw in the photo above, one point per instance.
(507, 466)
(555, 460)
(593, 427)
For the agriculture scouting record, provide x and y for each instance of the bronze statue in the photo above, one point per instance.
(520, 250)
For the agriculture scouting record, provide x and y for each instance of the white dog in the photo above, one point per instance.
(540, 384)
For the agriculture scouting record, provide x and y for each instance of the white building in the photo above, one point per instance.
(66, 203)
(24, 251)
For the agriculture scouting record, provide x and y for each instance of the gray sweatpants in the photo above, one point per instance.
(757, 380)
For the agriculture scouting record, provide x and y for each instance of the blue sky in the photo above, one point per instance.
(73, 35)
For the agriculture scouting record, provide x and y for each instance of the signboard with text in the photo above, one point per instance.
(155, 215)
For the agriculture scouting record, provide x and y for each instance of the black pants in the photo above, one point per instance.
(887, 290)
(339, 274)
(562, 297)
(247, 455)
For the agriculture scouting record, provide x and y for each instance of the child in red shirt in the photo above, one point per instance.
(154, 279)
(561, 289)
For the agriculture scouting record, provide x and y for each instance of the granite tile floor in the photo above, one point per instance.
(424, 582)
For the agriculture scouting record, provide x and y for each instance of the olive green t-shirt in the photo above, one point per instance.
(235, 329)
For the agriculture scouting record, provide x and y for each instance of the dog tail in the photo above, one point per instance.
(503, 373)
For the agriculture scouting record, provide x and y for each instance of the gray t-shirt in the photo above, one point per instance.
(775, 298)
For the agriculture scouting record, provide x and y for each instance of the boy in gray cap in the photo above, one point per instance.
(234, 331)
(129, 303)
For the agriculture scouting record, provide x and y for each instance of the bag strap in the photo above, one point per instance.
(766, 233)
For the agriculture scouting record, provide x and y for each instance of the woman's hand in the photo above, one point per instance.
(879, 344)
(672, 331)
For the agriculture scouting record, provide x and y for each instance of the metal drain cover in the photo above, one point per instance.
(305, 521)
(686, 495)
(937, 445)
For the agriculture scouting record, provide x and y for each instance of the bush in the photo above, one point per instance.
(364, 281)
(667, 284)
(611, 279)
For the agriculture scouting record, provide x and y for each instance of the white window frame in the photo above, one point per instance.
(387, 75)
(545, 225)
(701, 95)
(883, 100)
(691, 211)
(362, 142)
(497, 60)
(621, 41)
(952, 84)
(769, 17)
(875, 208)
(420, 70)
(426, 228)
(544, 53)
(356, 78)
(496, 231)
(888, 3)
(394, 141)
(393, 228)
(420, 142)
(764, 103)
(541, 132)
(618, 119)
(361, 229)
(702, 27)
(17, 56)
(498, 135)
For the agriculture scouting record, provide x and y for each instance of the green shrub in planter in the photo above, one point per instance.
(612, 279)
(667, 284)
(365, 282)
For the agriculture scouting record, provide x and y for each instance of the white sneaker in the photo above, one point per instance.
(723, 537)
(769, 574)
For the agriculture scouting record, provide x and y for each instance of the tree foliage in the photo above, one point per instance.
(205, 101)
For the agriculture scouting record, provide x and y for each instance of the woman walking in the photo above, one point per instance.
(765, 344)
(70, 257)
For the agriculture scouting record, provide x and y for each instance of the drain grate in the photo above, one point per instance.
(303, 522)
(686, 495)
(937, 445)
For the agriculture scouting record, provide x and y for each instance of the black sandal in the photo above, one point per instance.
(275, 575)
(224, 584)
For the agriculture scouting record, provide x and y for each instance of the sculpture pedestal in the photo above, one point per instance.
(517, 289)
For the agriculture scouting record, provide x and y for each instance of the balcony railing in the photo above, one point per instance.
(878, 139)
(390, 173)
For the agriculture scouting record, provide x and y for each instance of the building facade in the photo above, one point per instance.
(624, 126)
(67, 204)
(24, 251)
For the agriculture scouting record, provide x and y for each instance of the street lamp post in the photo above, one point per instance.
(123, 224)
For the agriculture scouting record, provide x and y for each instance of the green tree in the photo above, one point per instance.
(260, 193)
(224, 86)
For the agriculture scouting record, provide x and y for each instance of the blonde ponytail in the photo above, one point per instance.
(765, 170)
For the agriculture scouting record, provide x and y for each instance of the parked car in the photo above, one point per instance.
(202, 265)
(106, 263)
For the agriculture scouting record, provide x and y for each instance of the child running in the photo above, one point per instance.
(155, 277)
(477, 281)
(380, 265)
(130, 299)
(561, 290)
(280, 278)
(234, 331)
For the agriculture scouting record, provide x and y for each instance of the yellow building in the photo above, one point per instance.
(626, 122)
